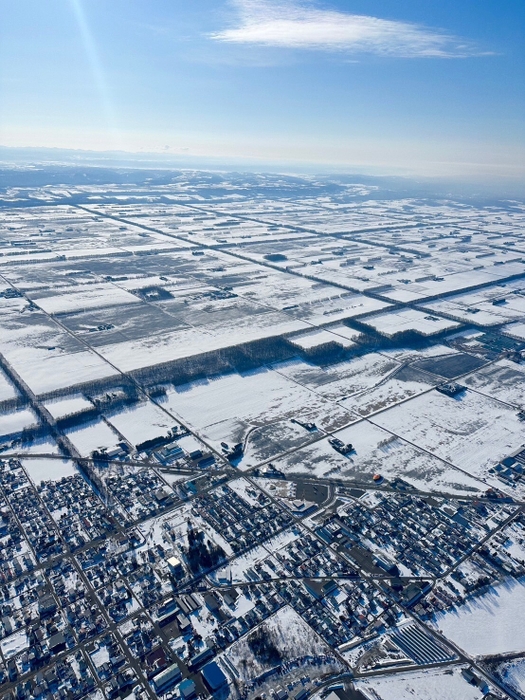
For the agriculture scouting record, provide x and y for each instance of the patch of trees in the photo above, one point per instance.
(263, 648)
(154, 443)
(239, 357)
(161, 440)
(156, 391)
(275, 257)
(77, 418)
(153, 293)
(117, 397)
(202, 555)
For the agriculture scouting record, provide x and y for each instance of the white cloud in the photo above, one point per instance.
(300, 25)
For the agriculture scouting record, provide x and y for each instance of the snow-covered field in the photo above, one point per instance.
(489, 624)
(512, 673)
(85, 297)
(68, 405)
(92, 436)
(412, 354)
(478, 307)
(42, 445)
(7, 390)
(48, 359)
(338, 381)
(378, 451)
(318, 339)
(44, 469)
(516, 330)
(64, 371)
(394, 322)
(141, 422)
(403, 385)
(471, 431)
(290, 636)
(237, 407)
(14, 644)
(145, 352)
(13, 422)
(434, 684)
(503, 380)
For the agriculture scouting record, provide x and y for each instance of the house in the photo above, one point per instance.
(319, 589)
(200, 659)
(46, 605)
(213, 677)
(414, 592)
(187, 689)
(211, 602)
(57, 642)
(165, 679)
(175, 567)
(184, 624)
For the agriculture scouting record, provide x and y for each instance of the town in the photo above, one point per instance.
(260, 443)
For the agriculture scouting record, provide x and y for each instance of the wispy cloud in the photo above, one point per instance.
(302, 25)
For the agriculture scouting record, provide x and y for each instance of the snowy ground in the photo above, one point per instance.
(471, 431)
(512, 673)
(394, 322)
(318, 339)
(87, 297)
(403, 385)
(503, 380)
(490, 624)
(13, 422)
(14, 644)
(42, 469)
(412, 354)
(338, 381)
(67, 406)
(255, 408)
(378, 451)
(435, 684)
(92, 436)
(290, 635)
(43, 445)
(141, 422)
(7, 390)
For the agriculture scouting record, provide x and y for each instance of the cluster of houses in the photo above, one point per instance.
(511, 470)
(243, 524)
(421, 536)
(92, 602)
(33, 517)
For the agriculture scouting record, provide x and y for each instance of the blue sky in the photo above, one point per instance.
(432, 87)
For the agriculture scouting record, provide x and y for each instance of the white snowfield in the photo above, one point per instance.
(92, 436)
(7, 390)
(471, 431)
(435, 684)
(14, 422)
(141, 422)
(146, 352)
(319, 339)
(378, 451)
(85, 297)
(409, 320)
(46, 469)
(489, 624)
(68, 406)
(512, 674)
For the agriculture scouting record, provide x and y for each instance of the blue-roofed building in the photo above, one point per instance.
(213, 677)
(187, 689)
